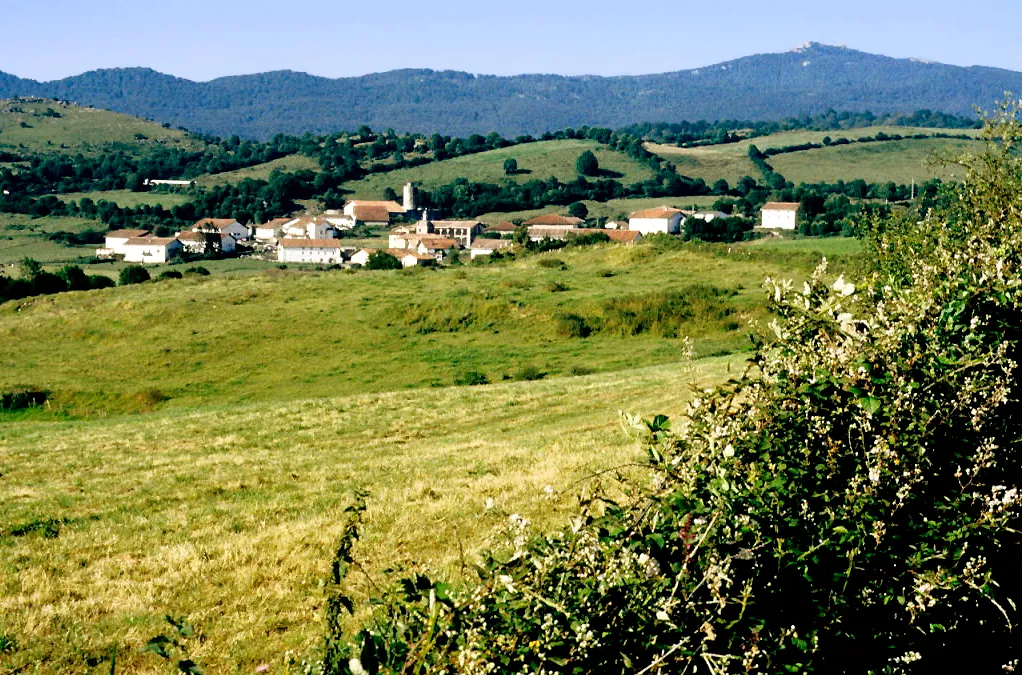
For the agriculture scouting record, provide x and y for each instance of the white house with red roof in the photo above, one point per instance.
(780, 215)
(116, 239)
(322, 251)
(152, 250)
(664, 219)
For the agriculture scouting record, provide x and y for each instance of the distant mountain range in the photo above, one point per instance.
(809, 79)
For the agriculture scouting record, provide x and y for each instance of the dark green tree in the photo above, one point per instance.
(133, 274)
(578, 210)
(587, 164)
(75, 278)
(510, 166)
(381, 260)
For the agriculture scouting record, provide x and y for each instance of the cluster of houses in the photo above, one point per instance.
(140, 246)
(426, 241)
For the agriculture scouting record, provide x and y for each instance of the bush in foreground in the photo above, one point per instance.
(851, 506)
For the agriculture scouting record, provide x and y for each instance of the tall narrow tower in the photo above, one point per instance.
(409, 201)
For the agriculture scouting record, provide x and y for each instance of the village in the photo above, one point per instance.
(414, 237)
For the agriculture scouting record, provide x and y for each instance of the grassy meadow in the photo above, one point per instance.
(129, 199)
(25, 237)
(289, 164)
(79, 129)
(540, 160)
(286, 334)
(731, 161)
(890, 161)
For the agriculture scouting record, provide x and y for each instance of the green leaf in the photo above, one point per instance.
(870, 404)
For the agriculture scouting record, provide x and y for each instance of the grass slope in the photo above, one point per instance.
(280, 335)
(79, 129)
(229, 515)
(289, 164)
(731, 161)
(535, 160)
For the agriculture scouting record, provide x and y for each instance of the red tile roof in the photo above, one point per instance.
(658, 212)
(127, 234)
(491, 244)
(150, 241)
(554, 219)
(372, 213)
(391, 206)
(781, 206)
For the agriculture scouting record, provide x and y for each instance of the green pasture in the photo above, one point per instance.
(899, 162)
(275, 334)
(80, 129)
(129, 199)
(25, 237)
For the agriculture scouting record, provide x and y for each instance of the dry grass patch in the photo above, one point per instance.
(229, 516)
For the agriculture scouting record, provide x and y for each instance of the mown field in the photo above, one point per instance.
(731, 161)
(205, 434)
(228, 515)
(540, 160)
(79, 129)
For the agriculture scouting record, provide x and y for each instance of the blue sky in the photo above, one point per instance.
(201, 40)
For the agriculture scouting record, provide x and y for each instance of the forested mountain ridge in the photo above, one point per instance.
(808, 79)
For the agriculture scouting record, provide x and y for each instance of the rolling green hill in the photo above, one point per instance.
(542, 160)
(52, 126)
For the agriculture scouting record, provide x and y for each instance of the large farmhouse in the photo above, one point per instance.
(151, 249)
(116, 239)
(780, 215)
(660, 219)
(324, 251)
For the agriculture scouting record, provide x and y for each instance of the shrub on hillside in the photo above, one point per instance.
(133, 274)
(381, 260)
(470, 378)
(853, 506)
(552, 263)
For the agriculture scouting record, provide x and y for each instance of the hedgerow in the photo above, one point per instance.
(849, 505)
